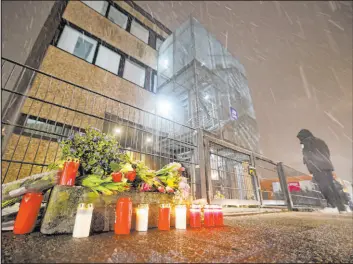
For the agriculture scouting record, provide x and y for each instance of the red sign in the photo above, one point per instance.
(294, 187)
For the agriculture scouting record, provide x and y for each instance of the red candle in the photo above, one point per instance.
(195, 216)
(218, 215)
(69, 172)
(117, 176)
(164, 217)
(208, 216)
(131, 175)
(27, 215)
(123, 215)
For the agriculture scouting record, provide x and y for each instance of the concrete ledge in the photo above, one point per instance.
(61, 210)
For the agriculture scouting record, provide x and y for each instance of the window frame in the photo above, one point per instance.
(128, 16)
(133, 61)
(105, 11)
(143, 26)
(86, 34)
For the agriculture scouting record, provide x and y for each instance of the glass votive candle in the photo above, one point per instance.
(195, 216)
(208, 216)
(164, 217)
(180, 216)
(142, 217)
(218, 215)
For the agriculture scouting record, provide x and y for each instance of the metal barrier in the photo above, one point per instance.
(40, 109)
(303, 191)
(227, 170)
(269, 181)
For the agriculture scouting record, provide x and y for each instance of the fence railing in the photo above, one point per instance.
(39, 109)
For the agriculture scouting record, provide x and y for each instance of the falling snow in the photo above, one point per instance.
(296, 54)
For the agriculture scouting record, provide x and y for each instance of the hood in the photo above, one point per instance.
(304, 134)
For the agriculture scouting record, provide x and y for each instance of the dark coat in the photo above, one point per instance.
(316, 154)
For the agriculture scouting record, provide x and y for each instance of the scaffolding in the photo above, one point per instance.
(206, 86)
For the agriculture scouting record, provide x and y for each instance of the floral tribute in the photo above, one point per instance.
(105, 168)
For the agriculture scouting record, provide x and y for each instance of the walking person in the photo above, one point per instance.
(316, 157)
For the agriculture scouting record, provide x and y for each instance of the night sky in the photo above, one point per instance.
(298, 58)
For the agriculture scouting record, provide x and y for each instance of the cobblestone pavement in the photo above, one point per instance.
(276, 237)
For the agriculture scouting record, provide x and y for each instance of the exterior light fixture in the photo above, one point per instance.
(117, 130)
(148, 139)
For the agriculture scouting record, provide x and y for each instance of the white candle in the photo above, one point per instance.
(142, 217)
(180, 217)
(83, 220)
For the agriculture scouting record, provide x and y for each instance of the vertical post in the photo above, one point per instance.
(284, 185)
(202, 163)
(256, 180)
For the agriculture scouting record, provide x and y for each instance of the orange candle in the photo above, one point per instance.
(208, 216)
(68, 176)
(123, 215)
(195, 216)
(27, 215)
(164, 217)
(218, 215)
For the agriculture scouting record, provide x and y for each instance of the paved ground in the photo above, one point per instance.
(275, 237)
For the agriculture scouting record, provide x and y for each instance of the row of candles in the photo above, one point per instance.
(213, 216)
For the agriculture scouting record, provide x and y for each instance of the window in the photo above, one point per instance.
(99, 6)
(117, 17)
(49, 128)
(108, 59)
(154, 83)
(158, 43)
(134, 73)
(77, 43)
(139, 31)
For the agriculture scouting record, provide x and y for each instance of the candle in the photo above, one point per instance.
(83, 220)
(142, 217)
(164, 217)
(195, 216)
(218, 215)
(180, 216)
(208, 216)
(68, 175)
(123, 214)
(27, 214)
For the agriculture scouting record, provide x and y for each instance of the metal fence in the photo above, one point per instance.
(40, 109)
(269, 181)
(303, 191)
(228, 176)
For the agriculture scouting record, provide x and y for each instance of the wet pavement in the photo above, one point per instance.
(276, 237)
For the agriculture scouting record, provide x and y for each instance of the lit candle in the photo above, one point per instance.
(123, 214)
(164, 217)
(208, 216)
(218, 215)
(27, 214)
(83, 220)
(195, 216)
(142, 217)
(180, 216)
(68, 175)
